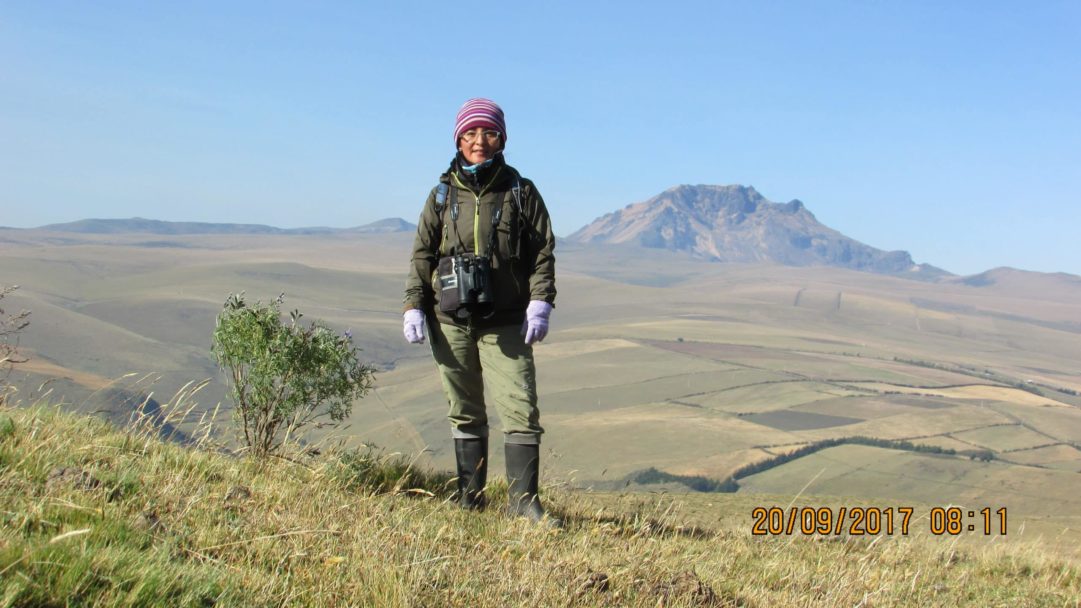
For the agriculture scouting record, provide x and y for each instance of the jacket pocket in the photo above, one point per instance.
(508, 233)
(511, 284)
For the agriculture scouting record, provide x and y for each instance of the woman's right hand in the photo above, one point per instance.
(413, 326)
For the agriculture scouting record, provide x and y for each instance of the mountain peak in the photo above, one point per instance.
(735, 223)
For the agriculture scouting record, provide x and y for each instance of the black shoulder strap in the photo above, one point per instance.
(516, 190)
(455, 210)
(497, 215)
(443, 191)
(519, 218)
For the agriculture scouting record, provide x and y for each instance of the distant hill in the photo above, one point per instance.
(1060, 288)
(138, 225)
(737, 224)
(1022, 280)
(395, 224)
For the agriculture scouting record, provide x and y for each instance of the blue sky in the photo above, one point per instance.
(949, 129)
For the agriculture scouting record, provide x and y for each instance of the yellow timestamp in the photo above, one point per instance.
(858, 521)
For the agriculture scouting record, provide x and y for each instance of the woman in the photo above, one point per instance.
(483, 278)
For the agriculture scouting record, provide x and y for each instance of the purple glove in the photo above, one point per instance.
(414, 326)
(535, 326)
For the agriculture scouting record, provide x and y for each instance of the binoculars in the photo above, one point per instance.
(465, 285)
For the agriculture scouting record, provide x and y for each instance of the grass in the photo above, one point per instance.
(99, 516)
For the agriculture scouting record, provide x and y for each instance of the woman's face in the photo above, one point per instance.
(478, 145)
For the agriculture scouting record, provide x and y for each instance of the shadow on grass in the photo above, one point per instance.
(369, 469)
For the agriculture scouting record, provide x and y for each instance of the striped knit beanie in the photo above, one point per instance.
(480, 112)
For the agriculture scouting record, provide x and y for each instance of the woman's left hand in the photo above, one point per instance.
(535, 327)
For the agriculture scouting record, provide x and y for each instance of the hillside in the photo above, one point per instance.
(137, 522)
(655, 360)
(737, 224)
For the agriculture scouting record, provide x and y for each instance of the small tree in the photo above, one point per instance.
(285, 376)
(11, 325)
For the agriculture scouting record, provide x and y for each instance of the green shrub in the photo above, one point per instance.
(284, 376)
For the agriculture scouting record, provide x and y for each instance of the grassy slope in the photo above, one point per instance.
(619, 390)
(144, 523)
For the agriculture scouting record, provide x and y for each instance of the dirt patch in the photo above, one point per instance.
(686, 589)
(51, 370)
(72, 477)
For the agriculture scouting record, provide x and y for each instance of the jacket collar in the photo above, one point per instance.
(484, 179)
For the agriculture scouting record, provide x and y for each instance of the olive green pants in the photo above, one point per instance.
(469, 358)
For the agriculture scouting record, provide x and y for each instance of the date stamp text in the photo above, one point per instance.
(872, 521)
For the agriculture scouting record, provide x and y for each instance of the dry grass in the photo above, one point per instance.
(98, 516)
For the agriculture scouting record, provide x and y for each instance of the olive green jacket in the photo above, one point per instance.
(523, 259)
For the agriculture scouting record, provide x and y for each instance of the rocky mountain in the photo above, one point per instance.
(144, 226)
(737, 224)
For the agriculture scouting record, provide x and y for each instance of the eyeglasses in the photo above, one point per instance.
(490, 135)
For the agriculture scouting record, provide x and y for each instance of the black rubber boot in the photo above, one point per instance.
(472, 456)
(523, 466)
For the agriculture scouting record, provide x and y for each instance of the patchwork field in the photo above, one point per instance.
(654, 361)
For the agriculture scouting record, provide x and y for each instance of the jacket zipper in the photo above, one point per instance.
(476, 225)
(476, 208)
